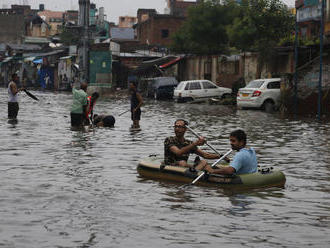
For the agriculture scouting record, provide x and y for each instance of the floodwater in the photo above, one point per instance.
(63, 188)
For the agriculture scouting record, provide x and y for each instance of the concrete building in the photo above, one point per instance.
(180, 7)
(54, 19)
(156, 29)
(127, 21)
(13, 23)
(309, 16)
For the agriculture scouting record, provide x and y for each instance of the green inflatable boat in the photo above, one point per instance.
(266, 177)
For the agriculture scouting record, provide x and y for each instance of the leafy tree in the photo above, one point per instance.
(69, 36)
(204, 31)
(261, 25)
(252, 25)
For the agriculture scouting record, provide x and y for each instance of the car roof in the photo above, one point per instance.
(267, 79)
(198, 80)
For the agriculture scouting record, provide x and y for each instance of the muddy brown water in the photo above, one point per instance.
(63, 188)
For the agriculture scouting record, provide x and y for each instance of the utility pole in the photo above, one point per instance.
(295, 77)
(83, 23)
(319, 102)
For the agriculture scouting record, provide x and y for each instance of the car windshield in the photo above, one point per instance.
(165, 81)
(180, 86)
(254, 84)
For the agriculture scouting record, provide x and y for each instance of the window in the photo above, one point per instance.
(165, 33)
(274, 85)
(254, 84)
(194, 86)
(208, 85)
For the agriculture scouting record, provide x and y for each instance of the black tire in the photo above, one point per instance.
(226, 96)
(269, 106)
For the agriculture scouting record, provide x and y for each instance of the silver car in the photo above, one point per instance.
(199, 89)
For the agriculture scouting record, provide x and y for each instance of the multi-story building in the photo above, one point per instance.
(127, 21)
(54, 20)
(156, 29)
(309, 16)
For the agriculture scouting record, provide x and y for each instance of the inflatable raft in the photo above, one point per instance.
(153, 168)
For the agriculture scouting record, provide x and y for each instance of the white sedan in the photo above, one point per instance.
(260, 93)
(199, 89)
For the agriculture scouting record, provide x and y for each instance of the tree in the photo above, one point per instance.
(204, 31)
(260, 27)
(69, 36)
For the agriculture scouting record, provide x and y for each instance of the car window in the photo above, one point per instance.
(187, 86)
(195, 86)
(180, 86)
(208, 85)
(274, 85)
(254, 84)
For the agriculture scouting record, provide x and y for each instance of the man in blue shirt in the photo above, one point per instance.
(245, 160)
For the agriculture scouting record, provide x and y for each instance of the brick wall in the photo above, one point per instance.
(157, 30)
(12, 28)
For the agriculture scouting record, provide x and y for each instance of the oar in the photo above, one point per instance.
(214, 164)
(124, 112)
(197, 135)
(31, 95)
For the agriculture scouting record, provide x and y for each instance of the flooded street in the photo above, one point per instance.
(63, 188)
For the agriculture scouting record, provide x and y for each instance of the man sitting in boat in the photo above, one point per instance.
(178, 149)
(245, 160)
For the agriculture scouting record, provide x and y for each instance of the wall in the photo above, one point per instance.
(12, 28)
(150, 31)
(212, 68)
(100, 69)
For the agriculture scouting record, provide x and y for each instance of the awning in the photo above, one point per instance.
(66, 57)
(29, 59)
(37, 61)
(7, 59)
(170, 63)
(156, 64)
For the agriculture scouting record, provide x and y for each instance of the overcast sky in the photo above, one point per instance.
(113, 8)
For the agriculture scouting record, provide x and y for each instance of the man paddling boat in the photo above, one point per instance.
(177, 149)
(245, 160)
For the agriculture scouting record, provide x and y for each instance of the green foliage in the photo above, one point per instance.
(289, 41)
(204, 32)
(253, 25)
(69, 36)
(261, 26)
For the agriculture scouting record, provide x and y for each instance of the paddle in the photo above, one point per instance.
(31, 95)
(197, 135)
(214, 164)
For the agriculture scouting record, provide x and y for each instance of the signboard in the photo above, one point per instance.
(312, 13)
(311, 2)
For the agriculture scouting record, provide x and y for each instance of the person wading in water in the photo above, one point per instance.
(79, 106)
(13, 106)
(136, 103)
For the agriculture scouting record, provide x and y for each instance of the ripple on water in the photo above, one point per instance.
(62, 188)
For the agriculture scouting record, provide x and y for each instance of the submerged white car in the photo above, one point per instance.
(261, 93)
(199, 89)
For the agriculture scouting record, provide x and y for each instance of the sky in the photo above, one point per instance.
(113, 8)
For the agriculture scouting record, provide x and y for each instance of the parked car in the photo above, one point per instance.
(159, 87)
(261, 93)
(199, 89)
